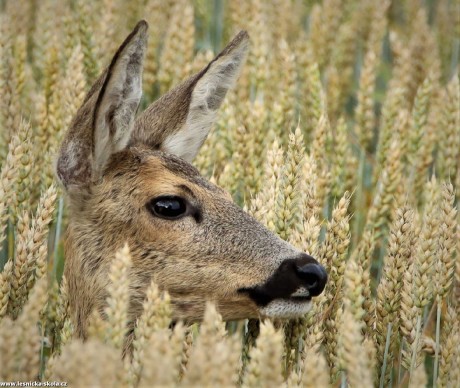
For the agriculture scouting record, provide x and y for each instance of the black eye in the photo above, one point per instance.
(168, 207)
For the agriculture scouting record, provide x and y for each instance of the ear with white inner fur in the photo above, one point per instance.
(119, 99)
(180, 121)
(104, 122)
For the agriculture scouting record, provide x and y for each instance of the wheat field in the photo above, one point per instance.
(342, 136)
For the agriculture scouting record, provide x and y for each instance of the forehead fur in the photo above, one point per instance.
(138, 159)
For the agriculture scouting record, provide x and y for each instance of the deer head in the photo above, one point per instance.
(130, 180)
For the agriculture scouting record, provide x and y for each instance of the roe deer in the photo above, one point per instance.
(130, 180)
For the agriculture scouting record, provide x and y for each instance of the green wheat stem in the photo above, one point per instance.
(58, 235)
(385, 355)
(298, 359)
(42, 352)
(11, 240)
(415, 347)
(399, 366)
(359, 197)
(436, 351)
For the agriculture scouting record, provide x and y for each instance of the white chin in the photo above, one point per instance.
(286, 309)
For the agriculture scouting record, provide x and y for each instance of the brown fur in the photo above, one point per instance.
(184, 257)
(211, 254)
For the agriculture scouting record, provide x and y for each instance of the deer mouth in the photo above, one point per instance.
(284, 307)
(294, 307)
(288, 292)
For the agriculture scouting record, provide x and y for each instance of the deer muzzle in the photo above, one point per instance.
(288, 292)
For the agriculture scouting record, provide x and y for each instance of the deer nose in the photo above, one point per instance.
(313, 274)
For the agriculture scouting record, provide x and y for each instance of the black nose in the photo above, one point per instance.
(313, 274)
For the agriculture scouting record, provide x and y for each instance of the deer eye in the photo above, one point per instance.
(169, 207)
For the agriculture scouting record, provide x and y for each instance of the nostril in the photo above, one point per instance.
(314, 276)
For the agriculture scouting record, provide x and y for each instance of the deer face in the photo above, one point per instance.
(130, 181)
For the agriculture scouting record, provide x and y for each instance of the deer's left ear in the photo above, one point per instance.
(103, 123)
(119, 97)
(179, 122)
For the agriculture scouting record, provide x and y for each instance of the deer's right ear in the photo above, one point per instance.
(103, 123)
(180, 120)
